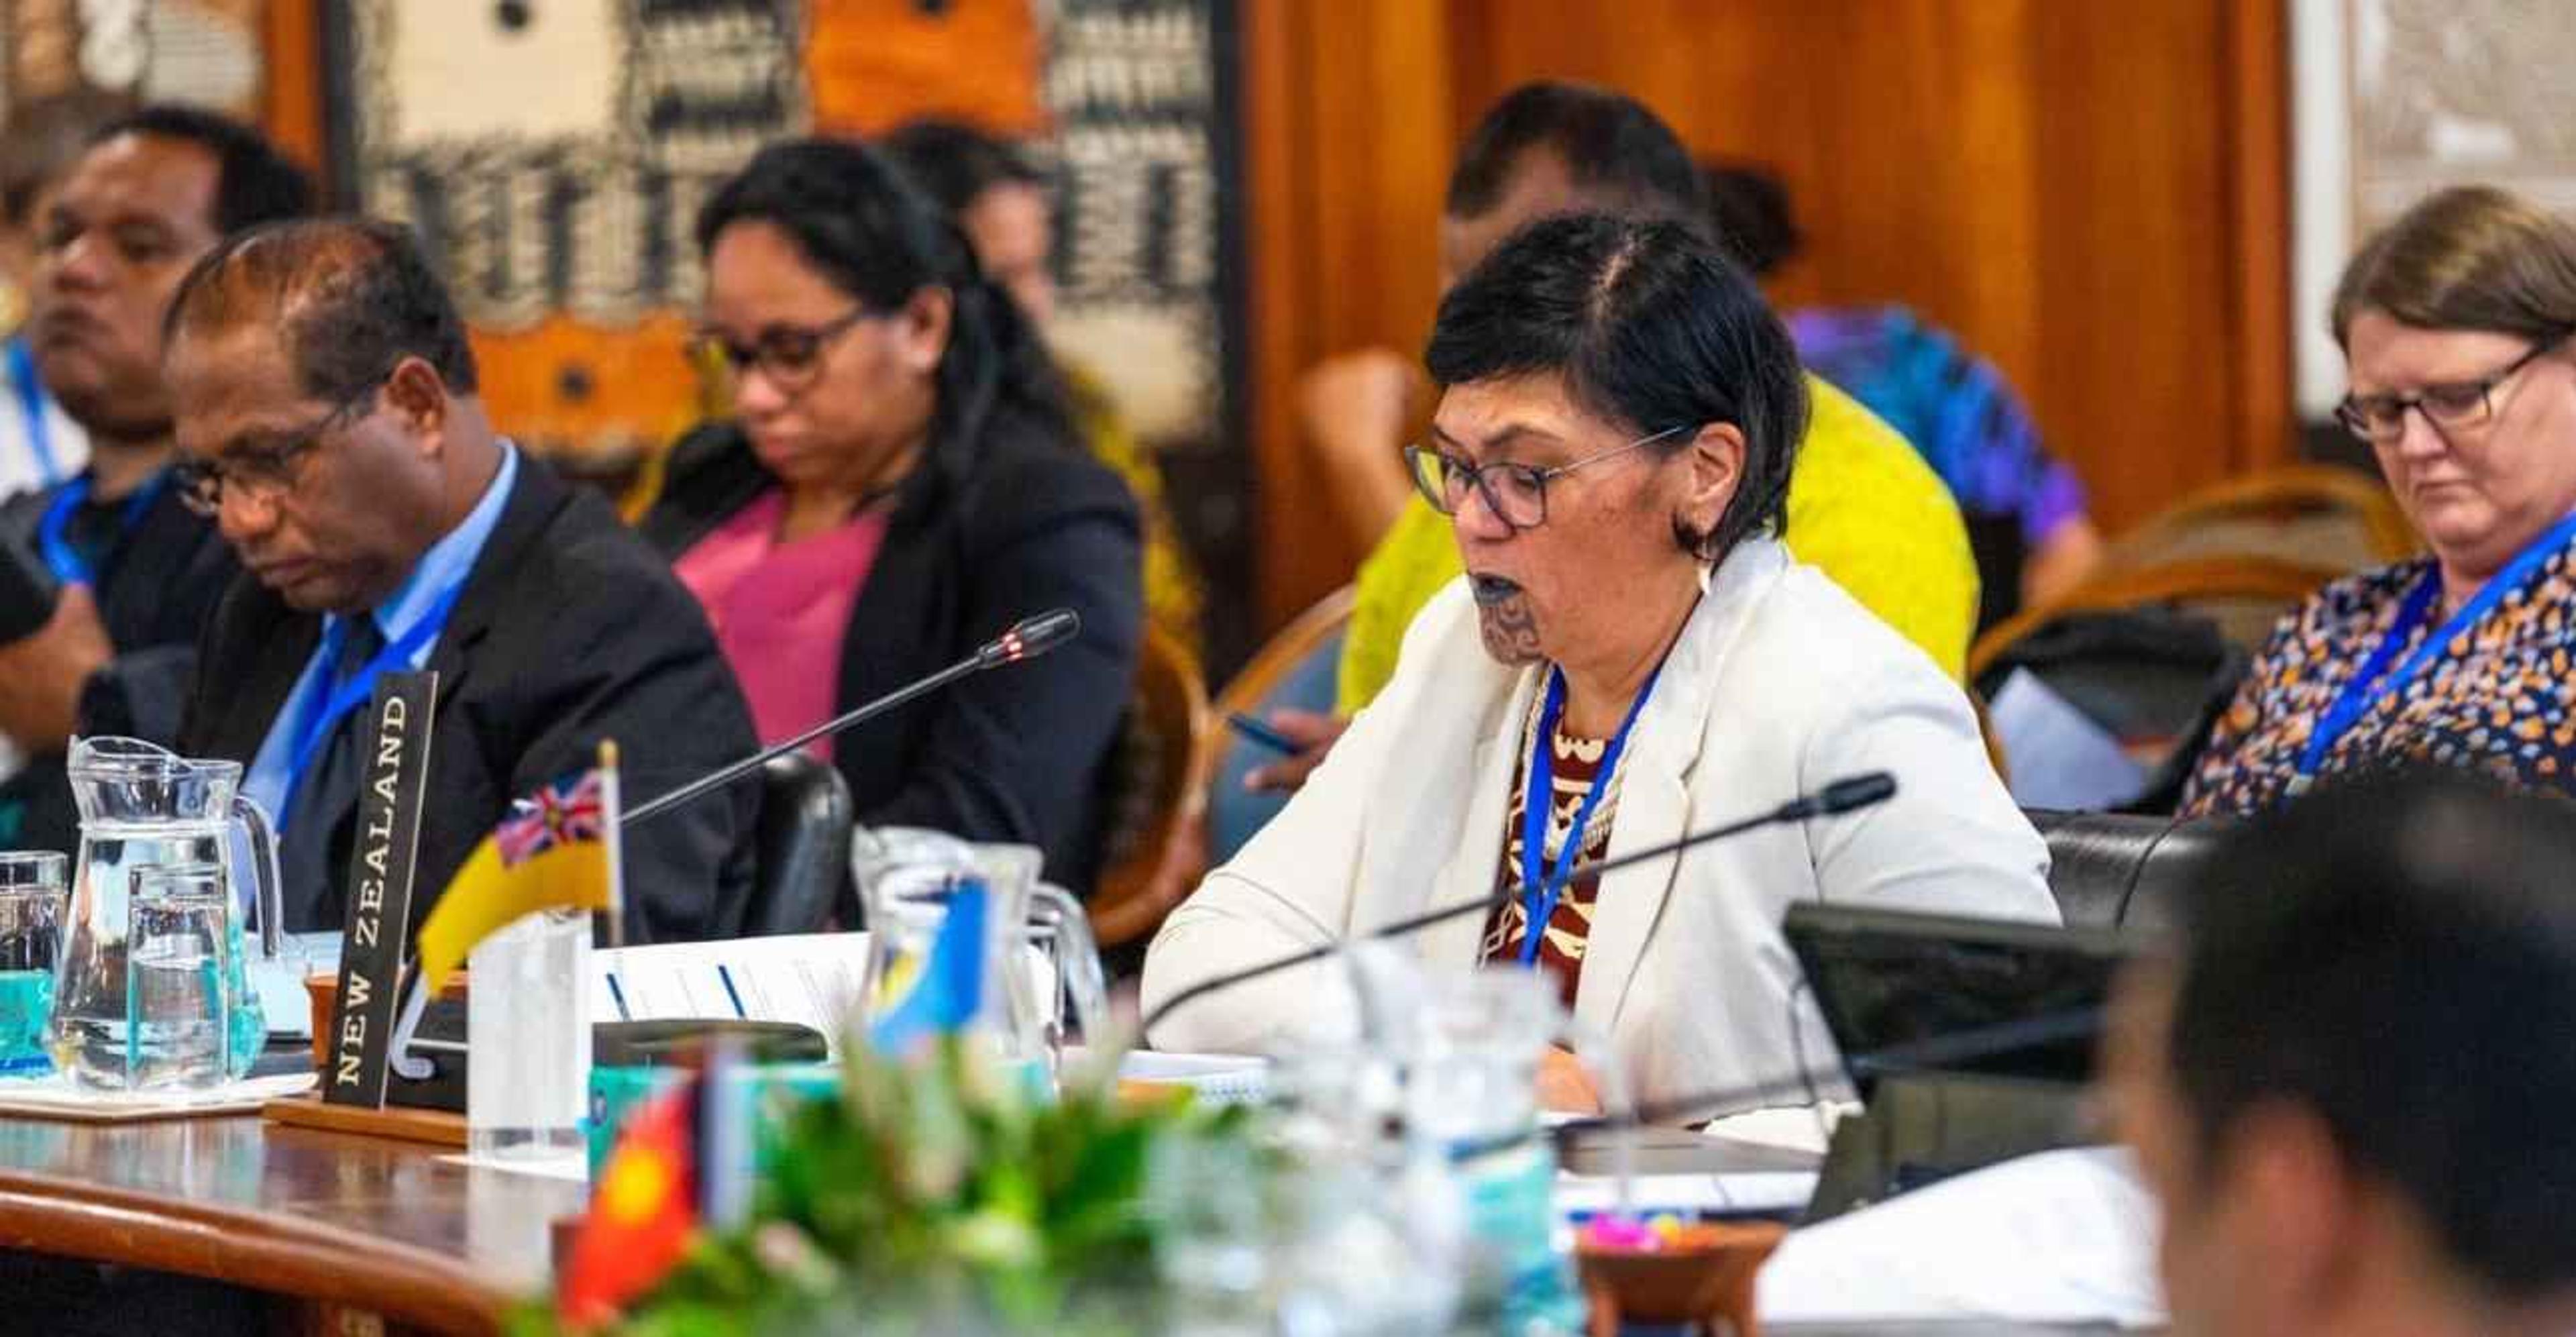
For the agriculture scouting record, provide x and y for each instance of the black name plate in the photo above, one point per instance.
(380, 872)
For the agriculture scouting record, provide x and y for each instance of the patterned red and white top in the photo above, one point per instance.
(1574, 762)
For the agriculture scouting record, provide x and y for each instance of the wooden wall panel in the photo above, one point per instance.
(2093, 195)
(1347, 140)
(290, 101)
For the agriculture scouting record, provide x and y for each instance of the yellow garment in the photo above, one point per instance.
(1863, 507)
(1173, 595)
(489, 895)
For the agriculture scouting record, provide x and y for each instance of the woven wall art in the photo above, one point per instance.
(555, 152)
(201, 51)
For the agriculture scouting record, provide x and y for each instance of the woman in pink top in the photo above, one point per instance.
(902, 481)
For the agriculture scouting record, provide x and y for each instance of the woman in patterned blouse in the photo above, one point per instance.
(2454, 323)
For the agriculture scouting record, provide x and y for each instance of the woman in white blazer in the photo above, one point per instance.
(1614, 442)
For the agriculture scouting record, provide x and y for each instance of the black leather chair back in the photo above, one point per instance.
(2116, 870)
(802, 856)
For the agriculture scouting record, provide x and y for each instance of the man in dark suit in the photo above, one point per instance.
(328, 421)
(115, 577)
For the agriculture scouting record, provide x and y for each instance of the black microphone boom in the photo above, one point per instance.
(1931, 1053)
(1844, 795)
(1027, 639)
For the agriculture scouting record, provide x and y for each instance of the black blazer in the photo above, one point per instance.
(1017, 754)
(155, 590)
(568, 631)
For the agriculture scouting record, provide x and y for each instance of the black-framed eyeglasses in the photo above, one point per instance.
(791, 356)
(1515, 493)
(2450, 406)
(261, 474)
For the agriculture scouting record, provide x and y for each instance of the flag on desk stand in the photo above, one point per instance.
(642, 1216)
(560, 848)
(684, 1160)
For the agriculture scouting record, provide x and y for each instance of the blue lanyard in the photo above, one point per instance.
(1541, 890)
(31, 406)
(314, 726)
(64, 560)
(2374, 683)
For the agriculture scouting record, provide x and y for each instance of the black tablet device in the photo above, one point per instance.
(1905, 992)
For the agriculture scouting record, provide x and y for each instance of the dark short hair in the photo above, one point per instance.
(351, 297)
(1748, 209)
(254, 183)
(1650, 327)
(955, 162)
(1619, 154)
(2397, 955)
(45, 138)
(872, 232)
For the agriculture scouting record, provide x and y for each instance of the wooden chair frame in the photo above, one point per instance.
(2191, 578)
(1134, 898)
(1135, 892)
(2318, 486)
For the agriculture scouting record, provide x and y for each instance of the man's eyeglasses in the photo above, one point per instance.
(1515, 493)
(791, 356)
(2381, 419)
(260, 474)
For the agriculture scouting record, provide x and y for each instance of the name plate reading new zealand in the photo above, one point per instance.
(395, 777)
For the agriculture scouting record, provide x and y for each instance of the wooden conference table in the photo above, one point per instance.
(338, 1221)
(348, 1225)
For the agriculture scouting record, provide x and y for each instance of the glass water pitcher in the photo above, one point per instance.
(143, 805)
(1037, 949)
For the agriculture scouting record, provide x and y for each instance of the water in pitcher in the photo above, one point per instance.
(142, 805)
(90, 1018)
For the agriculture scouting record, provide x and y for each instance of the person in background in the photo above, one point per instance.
(1954, 406)
(1631, 656)
(2455, 322)
(1000, 199)
(1862, 507)
(130, 573)
(40, 445)
(328, 419)
(902, 481)
(2346, 1088)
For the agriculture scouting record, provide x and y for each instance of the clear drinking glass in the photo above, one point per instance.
(34, 889)
(527, 1033)
(178, 980)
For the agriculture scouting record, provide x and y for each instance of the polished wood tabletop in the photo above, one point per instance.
(360, 1223)
(368, 1223)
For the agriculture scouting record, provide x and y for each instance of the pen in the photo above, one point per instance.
(1263, 734)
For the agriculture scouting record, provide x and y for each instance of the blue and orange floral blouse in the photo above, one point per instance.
(2497, 698)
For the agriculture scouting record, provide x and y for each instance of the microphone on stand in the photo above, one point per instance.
(1844, 795)
(1932, 1053)
(1992, 1040)
(1027, 639)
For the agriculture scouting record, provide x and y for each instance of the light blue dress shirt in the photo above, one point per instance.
(447, 563)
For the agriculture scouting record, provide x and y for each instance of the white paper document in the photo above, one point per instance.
(1218, 1079)
(1685, 1194)
(572, 1169)
(283, 1000)
(2060, 758)
(2059, 1237)
(55, 1096)
(811, 979)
